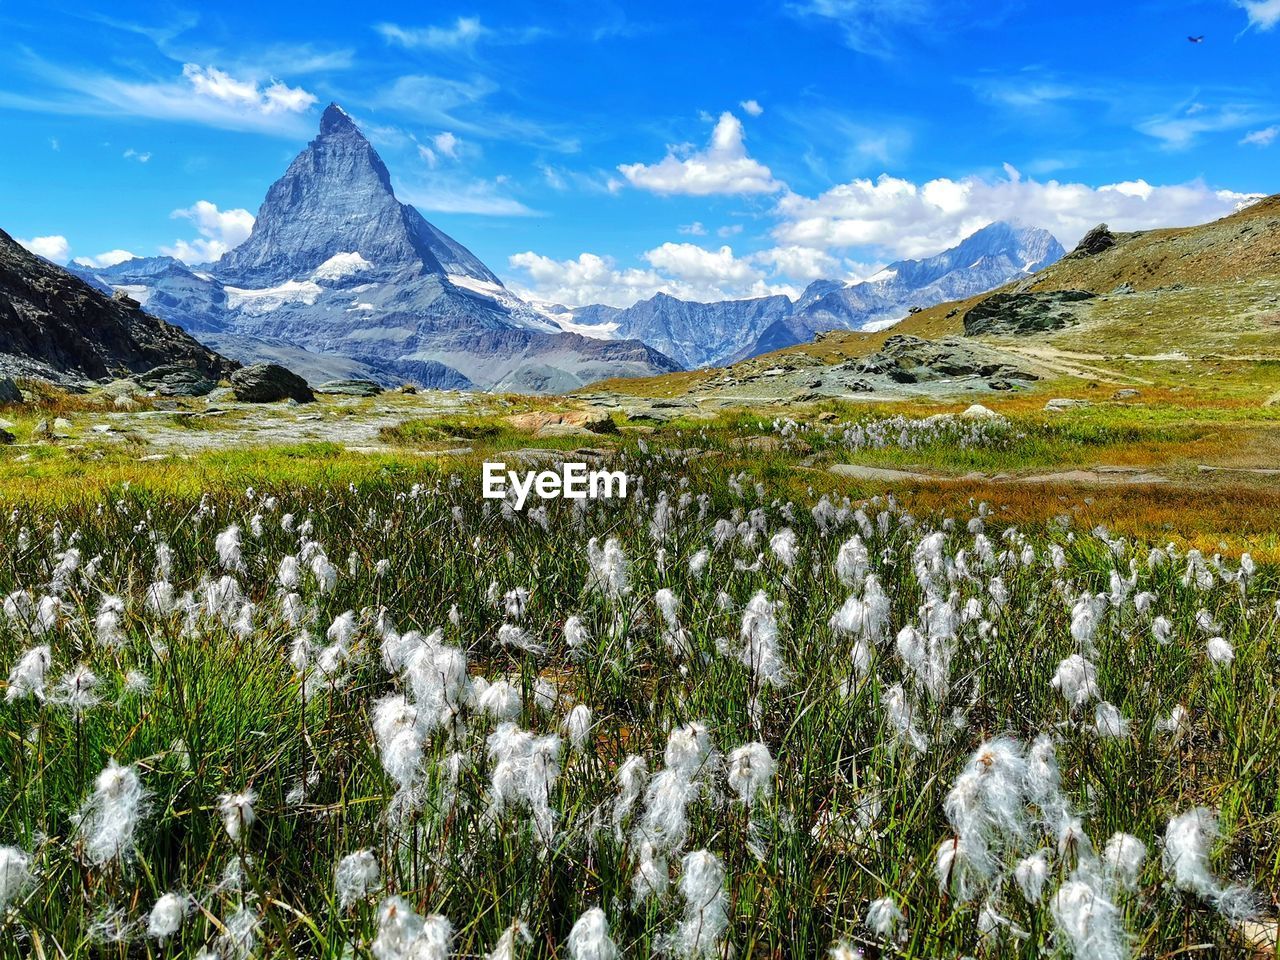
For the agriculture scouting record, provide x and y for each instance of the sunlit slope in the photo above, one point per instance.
(1165, 299)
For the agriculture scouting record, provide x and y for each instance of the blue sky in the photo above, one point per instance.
(601, 152)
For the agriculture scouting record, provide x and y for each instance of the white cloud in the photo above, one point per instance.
(108, 259)
(751, 108)
(53, 248)
(695, 229)
(682, 270)
(266, 99)
(451, 194)
(464, 32)
(1263, 14)
(868, 26)
(219, 230)
(203, 95)
(730, 230)
(801, 263)
(132, 154)
(446, 144)
(1261, 138)
(722, 168)
(905, 219)
(1181, 130)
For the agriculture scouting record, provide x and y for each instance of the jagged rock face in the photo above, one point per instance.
(1098, 239)
(909, 360)
(55, 326)
(336, 200)
(269, 382)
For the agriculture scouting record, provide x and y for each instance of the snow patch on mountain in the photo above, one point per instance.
(341, 266)
(255, 303)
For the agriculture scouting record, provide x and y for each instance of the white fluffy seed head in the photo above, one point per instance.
(15, 875)
(1124, 856)
(589, 939)
(237, 812)
(750, 771)
(355, 877)
(167, 915)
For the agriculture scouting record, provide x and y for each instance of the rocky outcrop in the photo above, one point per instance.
(1094, 242)
(269, 382)
(910, 360)
(1019, 313)
(55, 326)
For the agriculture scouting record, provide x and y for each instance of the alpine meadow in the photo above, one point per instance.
(665, 481)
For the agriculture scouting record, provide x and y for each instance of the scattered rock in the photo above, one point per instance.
(408, 389)
(61, 425)
(122, 298)
(268, 383)
(569, 424)
(1099, 475)
(1020, 313)
(9, 392)
(184, 383)
(1058, 404)
(6, 437)
(41, 430)
(1125, 394)
(125, 402)
(1094, 242)
(828, 417)
(1123, 290)
(859, 472)
(351, 388)
(979, 412)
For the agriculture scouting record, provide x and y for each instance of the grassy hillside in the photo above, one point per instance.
(1204, 310)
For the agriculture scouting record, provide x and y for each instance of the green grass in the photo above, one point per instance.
(226, 712)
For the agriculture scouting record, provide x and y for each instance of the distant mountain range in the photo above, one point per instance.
(340, 279)
(712, 334)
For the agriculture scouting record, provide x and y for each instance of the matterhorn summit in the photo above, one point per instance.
(338, 279)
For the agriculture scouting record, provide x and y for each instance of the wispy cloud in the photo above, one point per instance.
(464, 34)
(460, 194)
(1263, 14)
(1261, 138)
(204, 95)
(868, 26)
(1181, 128)
(461, 105)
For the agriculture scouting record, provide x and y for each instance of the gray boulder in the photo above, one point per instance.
(185, 383)
(9, 392)
(268, 383)
(351, 388)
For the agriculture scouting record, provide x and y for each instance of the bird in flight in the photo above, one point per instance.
(1199, 39)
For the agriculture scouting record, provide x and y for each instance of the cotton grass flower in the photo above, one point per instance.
(1220, 652)
(706, 912)
(884, 918)
(355, 877)
(750, 770)
(15, 876)
(1089, 922)
(589, 939)
(1188, 840)
(167, 915)
(505, 948)
(761, 653)
(1077, 680)
(27, 678)
(237, 813)
(108, 821)
(577, 727)
(404, 935)
(1124, 855)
